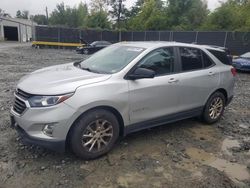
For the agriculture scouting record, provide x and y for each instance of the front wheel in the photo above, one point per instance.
(85, 51)
(94, 134)
(214, 108)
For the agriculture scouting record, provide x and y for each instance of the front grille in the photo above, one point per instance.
(19, 106)
(24, 95)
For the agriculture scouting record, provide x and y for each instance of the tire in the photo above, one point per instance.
(88, 130)
(216, 99)
(85, 51)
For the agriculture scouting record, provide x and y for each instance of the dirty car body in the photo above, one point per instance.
(145, 84)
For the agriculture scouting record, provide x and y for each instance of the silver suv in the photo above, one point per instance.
(121, 89)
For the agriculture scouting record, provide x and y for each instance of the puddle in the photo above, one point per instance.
(197, 175)
(199, 154)
(236, 172)
(4, 166)
(208, 133)
(127, 179)
(227, 144)
(243, 126)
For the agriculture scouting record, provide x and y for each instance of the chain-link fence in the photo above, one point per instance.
(72, 35)
(237, 42)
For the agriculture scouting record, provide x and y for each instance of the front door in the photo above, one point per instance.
(155, 97)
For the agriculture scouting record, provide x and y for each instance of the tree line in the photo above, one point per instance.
(177, 15)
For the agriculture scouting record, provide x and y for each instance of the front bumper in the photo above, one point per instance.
(58, 146)
(31, 123)
(79, 50)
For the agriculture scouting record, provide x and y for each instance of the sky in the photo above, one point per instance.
(38, 6)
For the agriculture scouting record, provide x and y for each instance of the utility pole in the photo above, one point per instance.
(119, 14)
(47, 15)
(119, 19)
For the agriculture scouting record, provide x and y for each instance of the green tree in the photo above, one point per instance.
(136, 8)
(245, 16)
(117, 12)
(71, 17)
(186, 14)
(169, 14)
(98, 20)
(22, 14)
(98, 17)
(98, 5)
(82, 14)
(231, 15)
(150, 17)
(39, 19)
(25, 14)
(58, 16)
(18, 14)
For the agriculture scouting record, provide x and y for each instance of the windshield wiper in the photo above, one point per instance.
(77, 64)
(90, 70)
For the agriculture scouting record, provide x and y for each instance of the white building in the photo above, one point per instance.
(16, 29)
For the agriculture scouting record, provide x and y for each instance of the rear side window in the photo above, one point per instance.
(206, 60)
(222, 56)
(191, 59)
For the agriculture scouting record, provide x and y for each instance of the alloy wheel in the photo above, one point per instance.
(86, 52)
(97, 135)
(216, 108)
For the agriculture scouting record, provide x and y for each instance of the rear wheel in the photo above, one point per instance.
(94, 134)
(214, 108)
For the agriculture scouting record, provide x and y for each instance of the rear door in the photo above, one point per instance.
(156, 97)
(198, 77)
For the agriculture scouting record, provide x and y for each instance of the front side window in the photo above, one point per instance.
(161, 61)
(191, 59)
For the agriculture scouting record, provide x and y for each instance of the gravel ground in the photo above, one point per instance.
(182, 154)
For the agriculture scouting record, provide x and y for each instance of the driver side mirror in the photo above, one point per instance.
(140, 73)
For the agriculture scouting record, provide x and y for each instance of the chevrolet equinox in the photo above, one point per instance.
(126, 87)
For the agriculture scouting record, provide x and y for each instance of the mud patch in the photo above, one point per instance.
(236, 172)
(228, 144)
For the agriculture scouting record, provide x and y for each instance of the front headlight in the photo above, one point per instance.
(45, 101)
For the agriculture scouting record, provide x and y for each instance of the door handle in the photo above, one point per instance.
(173, 80)
(211, 73)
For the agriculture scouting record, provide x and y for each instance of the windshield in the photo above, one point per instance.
(94, 43)
(246, 55)
(111, 59)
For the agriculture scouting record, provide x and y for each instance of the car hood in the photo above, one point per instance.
(59, 79)
(242, 61)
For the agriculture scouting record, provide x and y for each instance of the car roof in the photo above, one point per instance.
(157, 44)
(213, 47)
(101, 41)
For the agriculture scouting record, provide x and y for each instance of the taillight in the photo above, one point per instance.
(234, 72)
